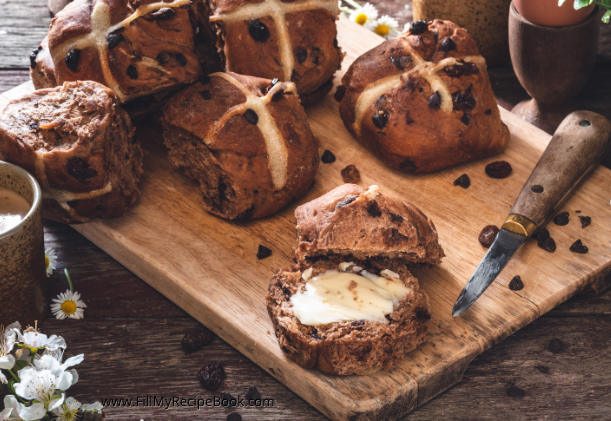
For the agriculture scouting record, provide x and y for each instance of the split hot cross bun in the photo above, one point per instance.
(423, 102)
(292, 40)
(246, 140)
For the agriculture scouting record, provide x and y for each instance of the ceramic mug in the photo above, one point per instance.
(23, 294)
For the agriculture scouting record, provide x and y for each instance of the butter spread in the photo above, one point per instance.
(342, 295)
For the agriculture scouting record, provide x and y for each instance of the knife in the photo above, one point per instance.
(578, 145)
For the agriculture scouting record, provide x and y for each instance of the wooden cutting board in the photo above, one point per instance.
(207, 265)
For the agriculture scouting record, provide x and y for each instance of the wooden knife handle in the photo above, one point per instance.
(580, 142)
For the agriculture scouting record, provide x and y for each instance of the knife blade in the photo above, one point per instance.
(578, 145)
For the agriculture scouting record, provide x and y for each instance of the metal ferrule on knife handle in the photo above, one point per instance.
(520, 225)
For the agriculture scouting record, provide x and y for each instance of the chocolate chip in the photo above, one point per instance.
(263, 252)
(114, 40)
(180, 59)
(542, 369)
(487, 236)
(380, 118)
(542, 234)
(206, 95)
(165, 13)
(346, 201)
(418, 27)
(80, 169)
(251, 116)
(351, 174)
(516, 392)
(498, 169)
(562, 219)
(556, 346)
(465, 119)
(327, 157)
(488, 111)
(72, 59)
(463, 100)
(301, 54)
(234, 416)
(196, 339)
(578, 247)
(339, 93)
(463, 181)
(374, 210)
(33, 56)
(227, 400)
(258, 30)
(34, 126)
(435, 101)
(548, 245)
(458, 70)
(401, 62)
(132, 71)
(407, 165)
(585, 221)
(211, 376)
(252, 394)
(397, 219)
(516, 283)
(447, 44)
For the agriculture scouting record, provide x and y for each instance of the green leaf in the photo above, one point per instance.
(581, 3)
(561, 2)
(21, 364)
(607, 16)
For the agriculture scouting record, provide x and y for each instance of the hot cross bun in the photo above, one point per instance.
(423, 102)
(289, 40)
(246, 140)
(42, 71)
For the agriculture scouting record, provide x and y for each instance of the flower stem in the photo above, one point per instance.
(14, 375)
(353, 4)
(69, 280)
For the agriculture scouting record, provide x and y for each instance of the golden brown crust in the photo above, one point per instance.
(365, 224)
(311, 43)
(404, 124)
(236, 161)
(78, 143)
(350, 347)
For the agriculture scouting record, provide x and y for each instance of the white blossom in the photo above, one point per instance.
(14, 410)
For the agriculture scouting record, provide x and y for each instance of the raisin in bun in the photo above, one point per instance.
(246, 140)
(78, 143)
(359, 223)
(289, 40)
(138, 48)
(422, 101)
(42, 71)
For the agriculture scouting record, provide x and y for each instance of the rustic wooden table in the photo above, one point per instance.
(131, 334)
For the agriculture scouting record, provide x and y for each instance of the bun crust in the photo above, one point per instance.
(423, 102)
(78, 143)
(42, 71)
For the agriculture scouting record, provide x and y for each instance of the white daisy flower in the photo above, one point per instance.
(68, 305)
(407, 27)
(67, 412)
(14, 410)
(364, 15)
(385, 26)
(50, 260)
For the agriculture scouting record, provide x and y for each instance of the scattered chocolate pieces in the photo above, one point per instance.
(339, 93)
(234, 416)
(516, 392)
(498, 169)
(252, 394)
(351, 174)
(463, 181)
(263, 252)
(556, 346)
(251, 116)
(545, 241)
(211, 375)
(196, 339)
(327, 157)
(562, 219)
(578, 247)
(227, 400)
(577, 211)
(542, 369)
(585, 221)
(487, 236)
(516, 283)
(543, 234)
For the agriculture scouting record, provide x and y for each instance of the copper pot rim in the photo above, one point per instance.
(594, 15)
(36, 196)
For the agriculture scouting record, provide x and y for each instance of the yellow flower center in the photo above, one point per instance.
(46, 262)
(361, 19)
(69, 307)
(382, 30)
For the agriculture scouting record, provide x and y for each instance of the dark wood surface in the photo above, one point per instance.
(131, 334)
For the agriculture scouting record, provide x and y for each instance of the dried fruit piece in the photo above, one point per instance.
(578, 247)
(488, 234)
(345, 201)
(114, 40)
(72, 59)
(463, 181)
(206, 95)
(516, 283)
(211, 375)
(542, 234)
(258, 31)
(263, 252)
(33, 57)
(464, 100)
(132, 71)
(447, 44)
(301, 54)
(401, 62)
(498, 169)
(196, 339)
(585, 221)
(435, 101)
(34, 126)
(327, 157)
(234, 416)
(374, 210)
(351, 174)
(556, 346)
(253, 393)
(251, 116)
(79, 169)
(227, 400)
(548, 245)
(339, 93)
(542, 369)
(465, 119)
(562, 219)
(458, 70)
(418, 27)
(380, 118)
